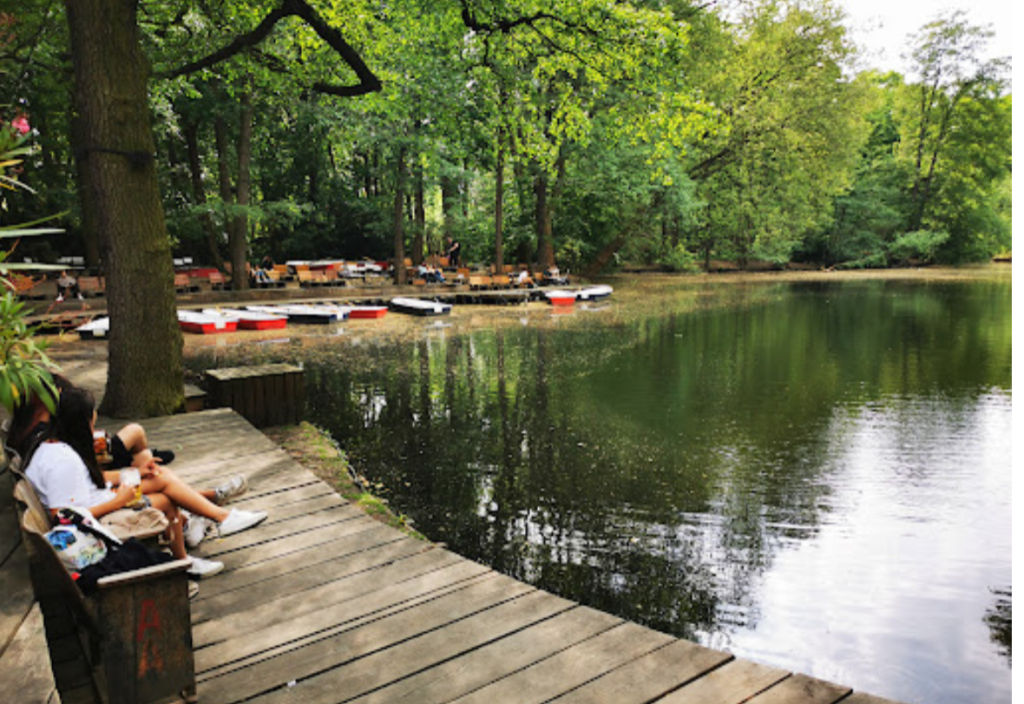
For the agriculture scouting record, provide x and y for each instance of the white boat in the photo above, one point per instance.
(297, 313)
(94, 329)
(342, 312)
(205, 323)
(250, 319)
(416, 306)
(594, 293)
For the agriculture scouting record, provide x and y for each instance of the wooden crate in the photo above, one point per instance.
(267, 395)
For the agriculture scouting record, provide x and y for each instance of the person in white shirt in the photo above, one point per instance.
(65, 472)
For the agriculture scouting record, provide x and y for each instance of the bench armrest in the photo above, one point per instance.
(143, 574)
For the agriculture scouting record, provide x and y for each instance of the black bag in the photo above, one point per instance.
(130, 555)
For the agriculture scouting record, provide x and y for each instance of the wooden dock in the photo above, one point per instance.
(322, 604)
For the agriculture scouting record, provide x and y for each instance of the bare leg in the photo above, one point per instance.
(175, 533)
(134, 438)
(183, 495)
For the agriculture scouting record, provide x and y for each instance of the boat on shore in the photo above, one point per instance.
(250, 319)
(367, 312)
(301, 314)
(416, 306)
(560, 298)
(594, 293)
(204, 323)
(98, 329)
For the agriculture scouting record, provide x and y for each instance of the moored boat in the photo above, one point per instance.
(95, 329)
(204, 323)
(367, 312)
(252, 320)
(416, 306)
(560, 298)
(594, 293)
(299, 313)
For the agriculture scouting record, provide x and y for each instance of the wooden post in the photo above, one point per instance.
(271, 394)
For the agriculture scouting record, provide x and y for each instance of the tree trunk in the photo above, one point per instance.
(191, 133)
(90, 231)
(449, 204)
(238, 234)
(605, 255)
(419, 217)
(145, 374)
(398, 218)
(499, 196)
(542, 222)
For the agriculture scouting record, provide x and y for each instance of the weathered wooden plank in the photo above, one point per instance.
(735, 682)
(572, 667)
(862, 698)
(301, 568)
(262, 611)
(270, 531)
(333, 616)
(802, 689)
(349, 645)
(649, 677)
(420, 654)
(473, 670)
(24, 665)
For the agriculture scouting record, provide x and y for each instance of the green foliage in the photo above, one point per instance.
(920, 245)
(679, 258)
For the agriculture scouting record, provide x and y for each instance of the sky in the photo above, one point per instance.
(881, 27)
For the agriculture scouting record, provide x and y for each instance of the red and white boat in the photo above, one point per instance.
(205, 324)
(250, 319)
(560, 298)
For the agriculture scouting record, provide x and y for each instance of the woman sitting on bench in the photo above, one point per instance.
(65, 472)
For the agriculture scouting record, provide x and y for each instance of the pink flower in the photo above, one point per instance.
(20, 124)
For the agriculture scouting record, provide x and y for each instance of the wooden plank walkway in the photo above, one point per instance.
(321, 604)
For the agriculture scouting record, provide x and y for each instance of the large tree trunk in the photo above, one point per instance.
(542, 222)
(238, 243)
(419, 216)
(191, 134)
(90, 230)
(399, 217)
(449, 204)
(145, 374)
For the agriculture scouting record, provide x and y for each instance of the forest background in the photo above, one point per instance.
(594, 134)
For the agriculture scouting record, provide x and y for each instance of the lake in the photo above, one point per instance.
(809, 474)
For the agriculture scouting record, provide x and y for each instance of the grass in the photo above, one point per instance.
(314, 449)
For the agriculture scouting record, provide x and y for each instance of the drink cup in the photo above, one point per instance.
(133, 478)
(101, 444)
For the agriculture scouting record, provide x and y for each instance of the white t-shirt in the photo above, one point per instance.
(61, 478)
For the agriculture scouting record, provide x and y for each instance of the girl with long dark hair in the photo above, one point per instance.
(64, 471)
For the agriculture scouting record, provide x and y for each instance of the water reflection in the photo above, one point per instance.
(815, 476)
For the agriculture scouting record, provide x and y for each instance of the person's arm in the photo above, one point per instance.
(123, 496)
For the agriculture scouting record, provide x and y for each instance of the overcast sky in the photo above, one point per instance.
(881, 27)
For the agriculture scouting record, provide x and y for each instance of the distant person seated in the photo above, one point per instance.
(267, 263)
(524, 280)
(553, 276)
(258, 275)
(67, 285)
(430, 274)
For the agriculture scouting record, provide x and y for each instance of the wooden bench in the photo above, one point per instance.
(217, 281)
(184, 284)
(92, 286)
(478, 282)
(501, 281)
(133, 636)
(309, 279)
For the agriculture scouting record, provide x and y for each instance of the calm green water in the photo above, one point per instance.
(807, 475)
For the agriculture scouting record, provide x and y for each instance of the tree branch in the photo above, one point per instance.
(368, 81)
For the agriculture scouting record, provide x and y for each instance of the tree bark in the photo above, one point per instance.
(145, 374)
(542, 222)
(399, 217)
(238, 234)
(90, 232)
(449, 203)
(419, 216)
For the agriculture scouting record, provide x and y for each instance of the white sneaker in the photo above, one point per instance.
(204, 568)
(60, 299)
(195, 530)
(239, 520)
(235, 486)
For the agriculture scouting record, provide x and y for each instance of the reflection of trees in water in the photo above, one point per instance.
(651, 469)
(999, 619)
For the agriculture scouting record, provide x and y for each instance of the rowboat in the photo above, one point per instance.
(367, 312)
(94, 329)
(594, 293)
(299, 313)
(560, 298)
(341, 311)
(416, 306)
(250, 319)
(205, 324)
